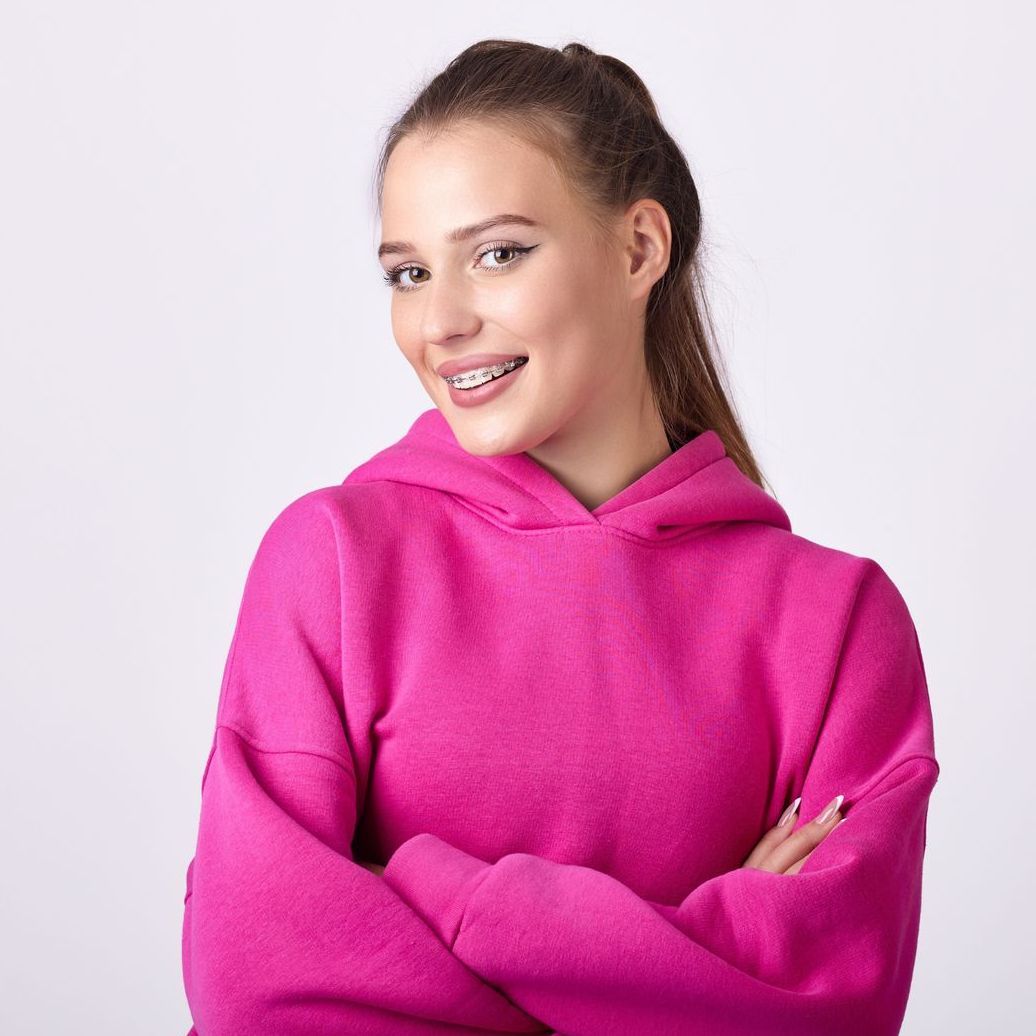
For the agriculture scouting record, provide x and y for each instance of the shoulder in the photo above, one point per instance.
(819, 579)
(324, 532)
(300, 546)
(324, 515)
(868, 609)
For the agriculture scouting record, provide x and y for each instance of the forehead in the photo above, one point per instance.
(434, 183)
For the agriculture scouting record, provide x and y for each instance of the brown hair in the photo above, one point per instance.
(594, 118)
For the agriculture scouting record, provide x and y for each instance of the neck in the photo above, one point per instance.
(602, 451)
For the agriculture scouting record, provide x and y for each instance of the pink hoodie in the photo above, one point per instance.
(564, 730)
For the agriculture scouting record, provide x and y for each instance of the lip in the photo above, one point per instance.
(466, 398)
(473, 362)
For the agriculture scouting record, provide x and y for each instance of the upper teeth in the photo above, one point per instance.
(480, 375)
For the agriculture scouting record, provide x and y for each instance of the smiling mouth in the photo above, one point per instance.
(483, 375)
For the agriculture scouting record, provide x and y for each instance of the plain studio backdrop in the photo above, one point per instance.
(195, 332)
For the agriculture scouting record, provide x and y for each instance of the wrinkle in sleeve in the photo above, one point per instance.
(829, 950)
(282, 931)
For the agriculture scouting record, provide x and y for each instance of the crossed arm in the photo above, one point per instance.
(782, 850)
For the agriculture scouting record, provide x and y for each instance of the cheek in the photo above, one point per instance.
(554, 305)
(406, 334)
(574, 320)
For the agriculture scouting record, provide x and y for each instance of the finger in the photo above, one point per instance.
(805, 839)
(796, 867)
(795, 849)
(774, 836)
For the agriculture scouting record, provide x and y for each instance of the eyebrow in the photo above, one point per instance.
(461, 233)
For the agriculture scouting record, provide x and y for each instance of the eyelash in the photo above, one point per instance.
(392, 277)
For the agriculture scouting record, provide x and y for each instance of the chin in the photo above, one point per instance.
(486, 435)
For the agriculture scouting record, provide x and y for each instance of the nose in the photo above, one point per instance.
(448, 313)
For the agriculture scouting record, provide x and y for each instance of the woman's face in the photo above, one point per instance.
(550, 291)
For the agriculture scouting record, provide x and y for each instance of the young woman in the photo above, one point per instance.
(544, 720)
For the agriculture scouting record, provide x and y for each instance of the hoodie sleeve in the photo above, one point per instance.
(829, 950)
(282, 931)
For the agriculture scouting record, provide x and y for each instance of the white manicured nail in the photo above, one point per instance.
(789, 812)
(832, 808)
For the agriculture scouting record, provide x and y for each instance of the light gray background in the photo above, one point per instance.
(195, 332)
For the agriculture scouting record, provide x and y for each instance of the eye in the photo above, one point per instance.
(517, 251)
(392, 278)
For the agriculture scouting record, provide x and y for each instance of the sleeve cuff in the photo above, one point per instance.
(436, 880)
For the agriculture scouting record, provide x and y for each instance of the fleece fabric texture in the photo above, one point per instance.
(563, 730)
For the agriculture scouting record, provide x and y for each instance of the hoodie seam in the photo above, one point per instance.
(589, 519)
(573, 526)
(656, 493)
(881, 777)
(599, 528)
(268, 749)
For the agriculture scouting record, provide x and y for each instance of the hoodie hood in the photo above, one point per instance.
(697, 484)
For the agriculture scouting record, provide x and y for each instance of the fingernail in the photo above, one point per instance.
(789, 812)
(832, 808)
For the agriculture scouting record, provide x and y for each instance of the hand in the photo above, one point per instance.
(781, 852)
(374, 868)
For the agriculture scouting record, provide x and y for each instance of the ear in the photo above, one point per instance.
(648, 244)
